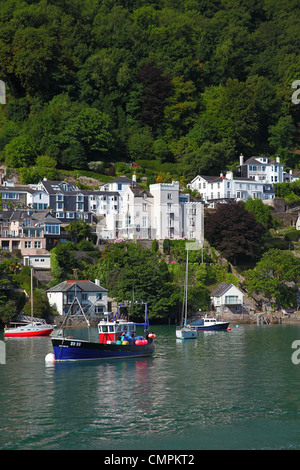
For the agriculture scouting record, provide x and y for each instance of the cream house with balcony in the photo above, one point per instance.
(226, 299)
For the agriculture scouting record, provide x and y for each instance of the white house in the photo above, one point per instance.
(263, 169)
(221, 188)
(91, 296)
(158, 213)
(118, 185)
(227, 298)
(166, 210)
(136, 216)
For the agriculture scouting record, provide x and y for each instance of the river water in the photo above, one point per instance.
(225, 390)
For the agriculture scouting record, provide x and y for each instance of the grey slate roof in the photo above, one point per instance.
(220, 289)
(85, 286)
(253, 160)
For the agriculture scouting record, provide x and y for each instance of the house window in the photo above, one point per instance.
(27, 244)
(231, 299)
(144, 207)
(52, 229)
(37, 244)
(169, 196)
(99, 309)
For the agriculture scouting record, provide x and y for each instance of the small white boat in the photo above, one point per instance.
(186, 333)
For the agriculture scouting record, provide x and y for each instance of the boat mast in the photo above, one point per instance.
(31, 288)
(186, 285)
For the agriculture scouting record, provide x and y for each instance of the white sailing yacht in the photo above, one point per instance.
(184, 332)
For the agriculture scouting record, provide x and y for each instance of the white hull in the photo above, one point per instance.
(186, 333)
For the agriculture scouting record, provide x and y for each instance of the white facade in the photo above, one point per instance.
(166, 210)
(193, 221)
(136, 217)
(38, 199)
(158, 213)
(227, 297)
(103, 203)
(263, 169)
(38, 261)
(219, 188)
(91, 296)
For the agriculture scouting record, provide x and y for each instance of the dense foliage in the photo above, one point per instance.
(276, 275)
(188, 82)
(235, 232)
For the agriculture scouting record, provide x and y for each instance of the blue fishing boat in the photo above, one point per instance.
(117, 340)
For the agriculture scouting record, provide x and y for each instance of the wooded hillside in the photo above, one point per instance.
(189, 82)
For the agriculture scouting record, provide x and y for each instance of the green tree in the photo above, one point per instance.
(282, 137)
(20, 152)
(80, 229)
(91, 130)
(271, 275)
(63, 261)
(156, 89)
(261, 211)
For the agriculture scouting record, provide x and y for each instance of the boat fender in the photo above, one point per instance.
(50, 357)
(151, 336)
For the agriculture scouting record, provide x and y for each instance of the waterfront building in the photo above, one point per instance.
(77, 294)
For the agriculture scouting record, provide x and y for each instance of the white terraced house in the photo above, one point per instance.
(158, 213)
